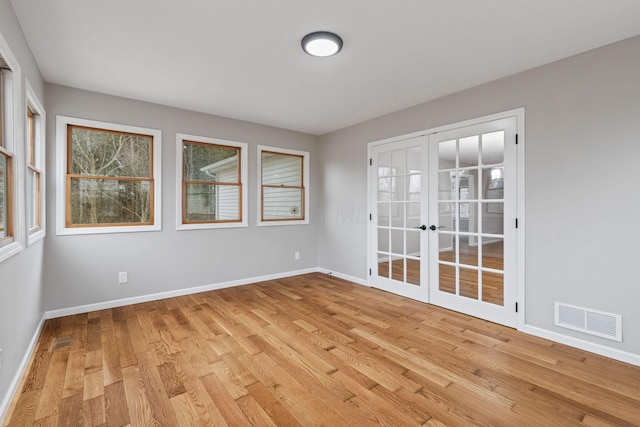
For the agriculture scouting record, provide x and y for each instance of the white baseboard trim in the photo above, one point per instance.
(52, 314)
(345, 277)
(8, 397)
(602, 350)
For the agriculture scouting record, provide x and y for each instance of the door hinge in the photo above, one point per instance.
(370, 217)
(516, 139)
(370, 162)
(516, 307)
(369, 272)
(516, 222)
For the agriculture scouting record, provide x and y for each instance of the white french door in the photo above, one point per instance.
(398, 240)
(443, 223)
(472, 210)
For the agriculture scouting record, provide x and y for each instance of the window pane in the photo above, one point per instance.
(398, 161)
(4, 202)
(281, 169)
(383, 240)
(493, 148)
(469, 151)
(383, 265)
(397, 242)
(282, 203)
(493, 288)
(207, 162)
(493, 253)
(3, 101)
(447, 278)
(33, 196)
(384, 210)
(31, 135)
(110, 201)
(96, 152)
(384, 164)
(209, 202)
(469, 283)
(447, 155)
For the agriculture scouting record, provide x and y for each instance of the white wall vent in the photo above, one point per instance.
(589, 321)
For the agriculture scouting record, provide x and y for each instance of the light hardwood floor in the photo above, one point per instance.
(312, 350)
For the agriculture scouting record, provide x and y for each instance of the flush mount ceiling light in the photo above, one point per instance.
(321, 43)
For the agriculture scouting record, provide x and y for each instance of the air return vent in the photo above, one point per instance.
(589, 321)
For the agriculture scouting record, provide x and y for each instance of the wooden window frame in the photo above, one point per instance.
(8, 208)
(7, 153)
(2, 107)
(64, 226)
(303, 187)
(70, 176)
(35, 129)
(31, 146)
(11, 148)
(186, 182)
(181, 184)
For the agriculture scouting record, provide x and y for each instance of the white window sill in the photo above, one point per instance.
(9, 250)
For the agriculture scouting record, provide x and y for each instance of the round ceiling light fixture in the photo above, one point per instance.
(321, 43)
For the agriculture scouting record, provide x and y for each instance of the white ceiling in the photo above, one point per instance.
(242, 59)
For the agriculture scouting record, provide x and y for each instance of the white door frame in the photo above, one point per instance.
(519, 114)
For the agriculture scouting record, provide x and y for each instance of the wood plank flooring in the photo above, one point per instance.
(312, 350)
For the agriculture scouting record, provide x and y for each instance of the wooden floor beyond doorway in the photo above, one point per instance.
(312, 350)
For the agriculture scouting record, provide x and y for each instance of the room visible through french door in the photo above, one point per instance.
(443, 223)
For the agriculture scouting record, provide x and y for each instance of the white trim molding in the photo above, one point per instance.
(243, 163)
(61, 168)
(52, 314)
(13, 130)
(34, 103)
(347, 277)
(591, 347)
(305, 184)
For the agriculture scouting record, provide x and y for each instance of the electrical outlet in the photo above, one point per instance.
(122, 277)
(296, 255)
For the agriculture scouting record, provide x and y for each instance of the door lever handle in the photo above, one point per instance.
(433, 227)
(422, 227)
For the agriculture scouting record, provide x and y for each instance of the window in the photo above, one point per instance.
(284, 176)
(110, 177)
(210, 183)
(34, 133)
(6, 175)
(11, 221)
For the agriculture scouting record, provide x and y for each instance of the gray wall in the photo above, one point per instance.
(21, 292)
(582, 149)
(83, 269)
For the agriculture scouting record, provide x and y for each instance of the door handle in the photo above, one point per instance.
(433, 227)
(422, 227)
